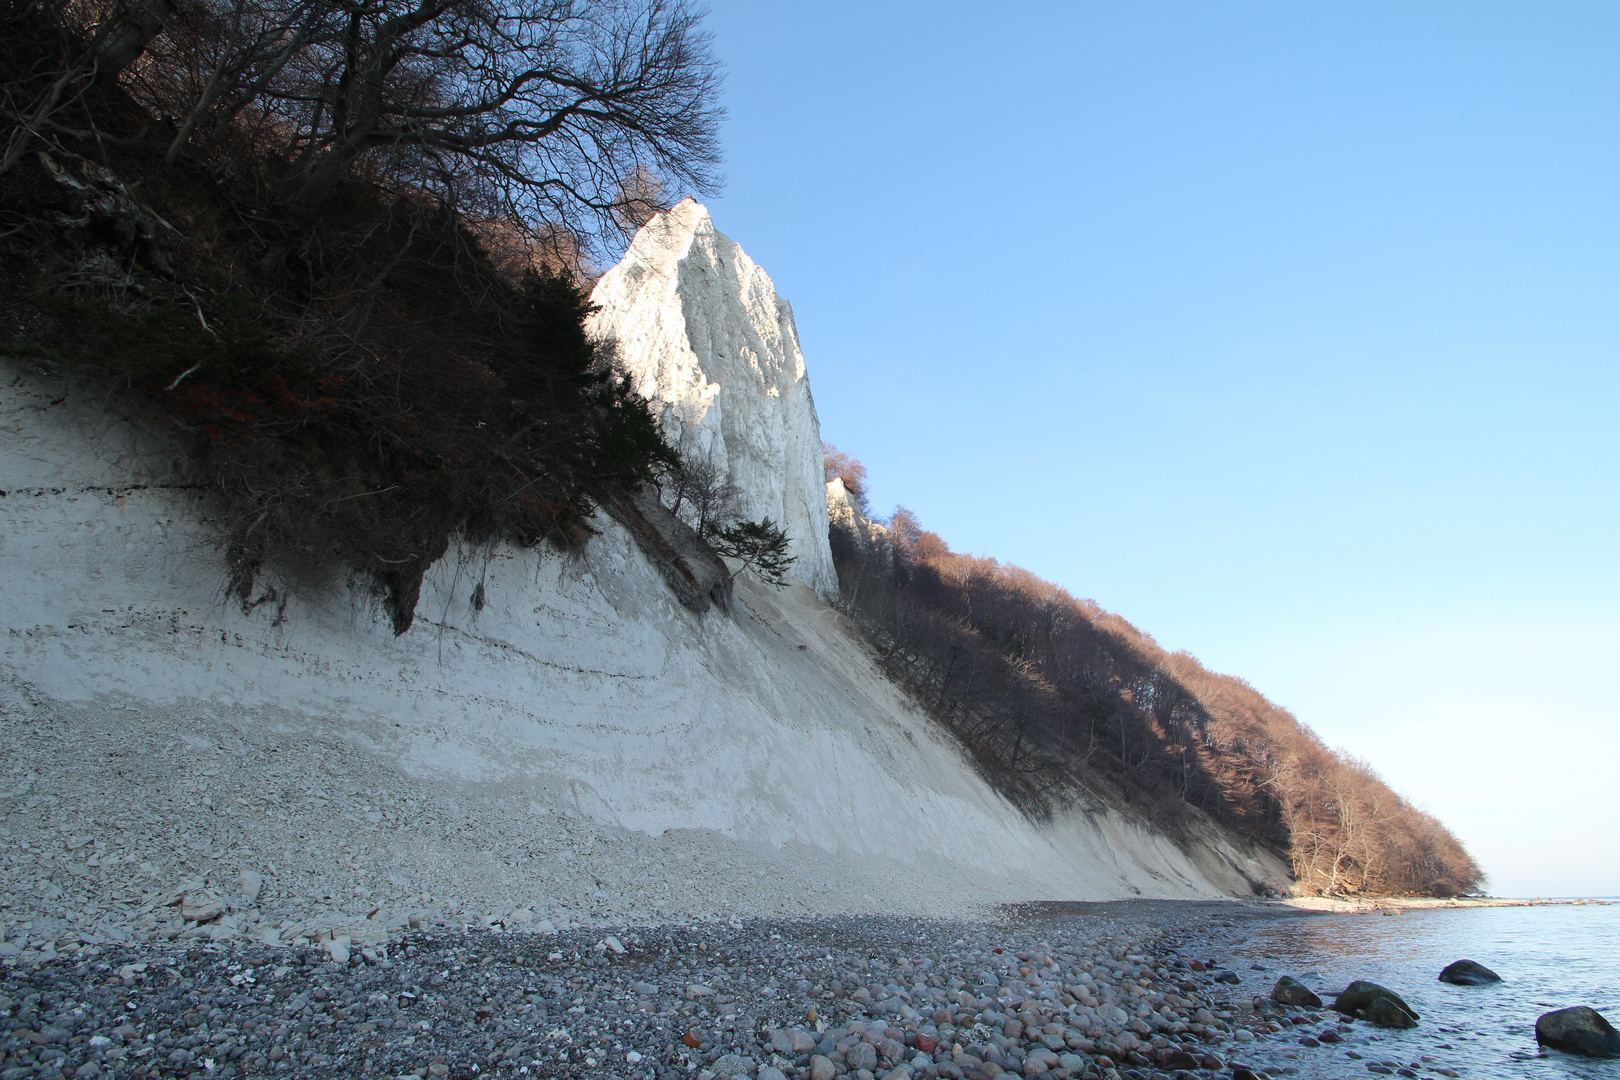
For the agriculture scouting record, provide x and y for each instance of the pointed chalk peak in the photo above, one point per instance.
(701, 330)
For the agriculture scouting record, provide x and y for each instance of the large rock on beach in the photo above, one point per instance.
(1290, 991)
(1468, 973)
(1578, 1031)
(1359, 998)
(1385, 1013)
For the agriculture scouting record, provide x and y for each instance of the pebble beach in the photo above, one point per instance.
(1124, 990)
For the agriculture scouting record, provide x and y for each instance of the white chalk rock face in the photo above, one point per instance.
(555, 733)
(709, 342)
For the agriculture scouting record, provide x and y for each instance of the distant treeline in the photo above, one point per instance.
(1054, 696)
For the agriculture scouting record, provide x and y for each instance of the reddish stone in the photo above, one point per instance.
(927, 1043)
(1197, 965)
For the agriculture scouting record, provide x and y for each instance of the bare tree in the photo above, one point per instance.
(220, 60)
(641, 197)
(700, 491)
(540, 106)
(552, 114)
(45, 83)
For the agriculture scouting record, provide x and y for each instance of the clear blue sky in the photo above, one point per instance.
(1288, 331)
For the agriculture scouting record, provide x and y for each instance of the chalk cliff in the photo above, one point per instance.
(701, 328)
(555, 734)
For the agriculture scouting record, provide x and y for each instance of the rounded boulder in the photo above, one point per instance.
(1468, 973)
(1360, 998)
(1580, 1031)
(1290, 991)
(1385, 1013)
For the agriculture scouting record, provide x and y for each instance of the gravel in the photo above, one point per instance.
(1114, 990)
(123, 821)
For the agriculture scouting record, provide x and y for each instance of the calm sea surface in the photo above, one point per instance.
(1549, 957)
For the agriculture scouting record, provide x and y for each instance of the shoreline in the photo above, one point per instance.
(1134, 989)
(1394, 905)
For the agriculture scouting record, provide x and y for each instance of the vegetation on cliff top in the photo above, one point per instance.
(1052, 694)
(340, 246)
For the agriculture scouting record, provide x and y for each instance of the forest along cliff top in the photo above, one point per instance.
(707, 340)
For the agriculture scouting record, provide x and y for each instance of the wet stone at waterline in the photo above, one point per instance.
(1468, 973)
(1580, 1030)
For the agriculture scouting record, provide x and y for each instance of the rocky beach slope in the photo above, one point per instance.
(1107, 990)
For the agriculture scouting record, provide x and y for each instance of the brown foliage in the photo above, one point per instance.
(1053, 694)
(837, 465)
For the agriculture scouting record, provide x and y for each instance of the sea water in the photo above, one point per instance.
(1549, 957)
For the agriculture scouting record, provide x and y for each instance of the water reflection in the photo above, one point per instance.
(1549, 958)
